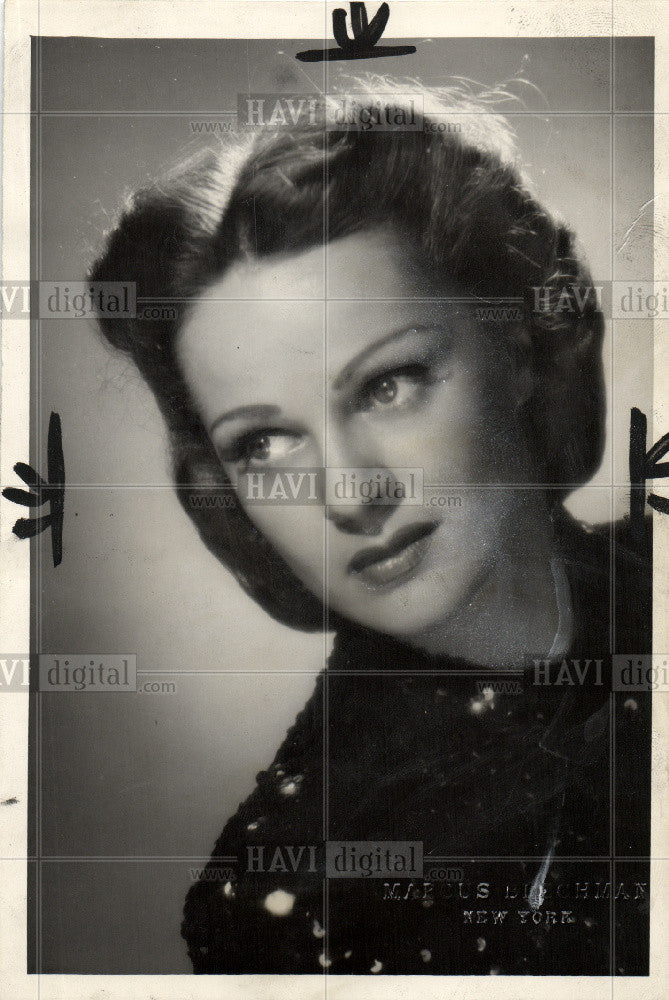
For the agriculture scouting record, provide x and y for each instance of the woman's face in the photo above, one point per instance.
(351, 357)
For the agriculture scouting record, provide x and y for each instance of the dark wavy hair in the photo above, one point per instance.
(457, 192)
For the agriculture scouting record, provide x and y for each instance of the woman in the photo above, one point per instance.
(334, 287)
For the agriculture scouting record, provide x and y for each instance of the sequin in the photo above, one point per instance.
(291, 786)
(279, 903)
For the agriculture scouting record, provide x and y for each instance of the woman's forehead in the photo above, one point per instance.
(291, 319)
(251, 341)
(358, 282)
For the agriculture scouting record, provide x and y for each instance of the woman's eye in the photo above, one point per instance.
(394, 390)
(266, 446)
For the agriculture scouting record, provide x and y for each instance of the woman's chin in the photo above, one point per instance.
(419, 609)
(401, 616)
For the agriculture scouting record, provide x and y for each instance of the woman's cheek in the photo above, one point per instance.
(454, 450)
(296, 532)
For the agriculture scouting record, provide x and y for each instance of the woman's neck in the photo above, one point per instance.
(512, 611)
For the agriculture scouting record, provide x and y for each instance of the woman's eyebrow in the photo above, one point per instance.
(351, 366)
(258, 411)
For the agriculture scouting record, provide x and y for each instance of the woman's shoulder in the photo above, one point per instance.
(225, 927)
(610, 568)
(617, 553)
(622, 541)
(293, 778)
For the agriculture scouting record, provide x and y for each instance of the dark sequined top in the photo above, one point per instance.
(531, 802)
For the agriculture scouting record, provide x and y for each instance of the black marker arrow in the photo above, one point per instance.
(51, 492)
(645, 466)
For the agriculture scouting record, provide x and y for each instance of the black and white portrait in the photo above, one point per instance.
(345, 351)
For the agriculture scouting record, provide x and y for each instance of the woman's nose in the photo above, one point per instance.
(360, 500)
(361, 518)
(356, 477)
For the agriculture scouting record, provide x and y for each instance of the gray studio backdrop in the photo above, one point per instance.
(134, 788)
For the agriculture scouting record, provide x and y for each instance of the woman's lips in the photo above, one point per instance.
(379, 565)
